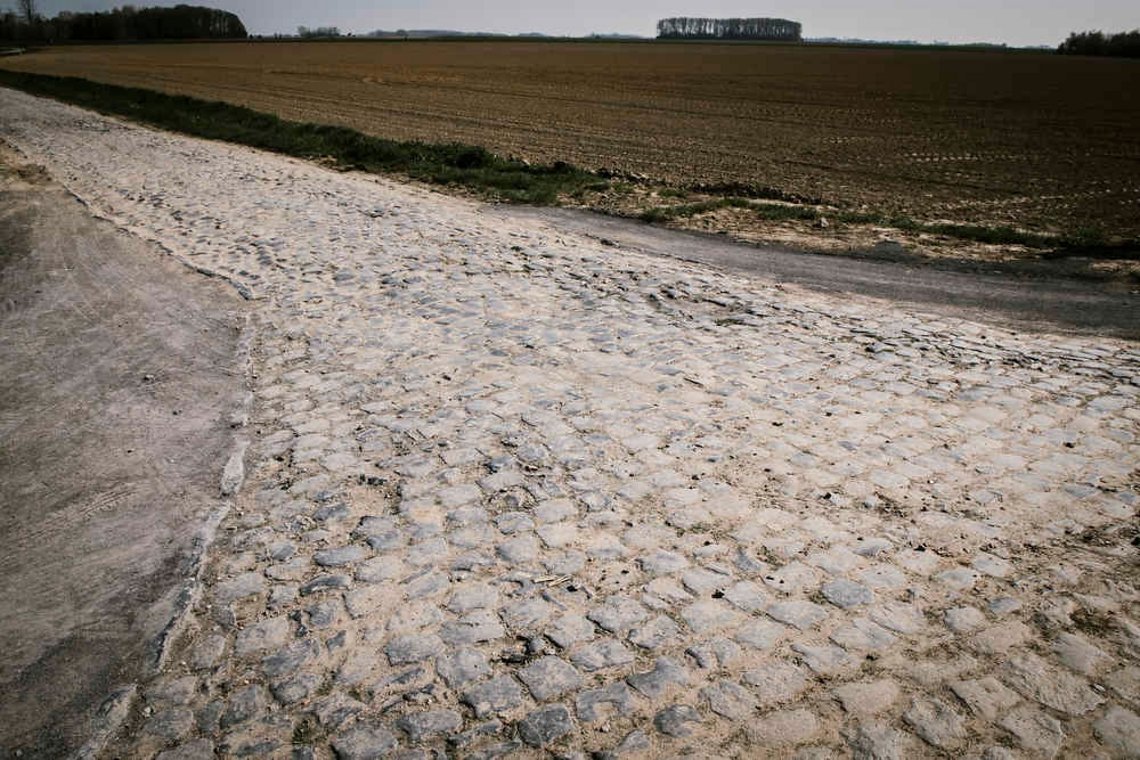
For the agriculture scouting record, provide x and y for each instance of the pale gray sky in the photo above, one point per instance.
(1015, 22)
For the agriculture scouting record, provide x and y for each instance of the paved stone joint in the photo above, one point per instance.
(512, 493)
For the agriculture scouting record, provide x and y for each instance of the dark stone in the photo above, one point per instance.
(676, 719)
(325, 583)
(420, 726)
(545, 725)
(412, 648)
(497, 695)
(364, 741)
(296, 689)
(549, 677)
(340, 556)
(653, 684)
(290, 659)
(591, 703)
(244, 704)
(462, 667)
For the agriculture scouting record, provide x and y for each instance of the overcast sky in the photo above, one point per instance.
(1015, 22)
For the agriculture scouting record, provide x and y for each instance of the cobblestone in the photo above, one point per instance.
(1035, 731)
(596, 704)
(545, 725)
(676, 720)
(867, 699)
(1119, 729)
(936, 722)
(550, 677)
(424, 725)
(669, 500)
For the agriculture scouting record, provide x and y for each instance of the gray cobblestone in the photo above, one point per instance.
(601, 654)
(1036, 732)
(729, 700)
(985, 696)
(412, 648)
(877, 741)
(618, 614)
(655, 683)
(936, 722)
(801, 614)
(715, 653)
(1119, 729)
(546, 725)
(495, 696)
(470, 427)
(550, 677)
(425, 725)
(596, 704)
(676, 720)
(462, 666)
(364, 742)
(844, 593)
(659, 632)
(344, 555)
(1054, 688)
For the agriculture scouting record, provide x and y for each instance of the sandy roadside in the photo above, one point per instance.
(117, 378)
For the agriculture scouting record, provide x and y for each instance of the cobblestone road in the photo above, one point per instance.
(510, 492)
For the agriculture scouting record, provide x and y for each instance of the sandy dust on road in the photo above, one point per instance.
(513, 491)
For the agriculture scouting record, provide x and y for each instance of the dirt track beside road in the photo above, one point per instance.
(117, 376)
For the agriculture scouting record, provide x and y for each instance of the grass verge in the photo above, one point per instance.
(453, 164)
(1091, 243)
(476, 169)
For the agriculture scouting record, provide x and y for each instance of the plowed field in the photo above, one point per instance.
(1031, 140)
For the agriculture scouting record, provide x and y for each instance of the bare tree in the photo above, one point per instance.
(28, 10)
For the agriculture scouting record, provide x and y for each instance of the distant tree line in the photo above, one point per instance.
(306, 33)
(688, 28)
(1123, 45)
(182, 22)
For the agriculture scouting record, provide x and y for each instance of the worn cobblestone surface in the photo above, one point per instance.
(510, 492)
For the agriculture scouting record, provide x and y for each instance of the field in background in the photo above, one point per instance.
(1030, 140)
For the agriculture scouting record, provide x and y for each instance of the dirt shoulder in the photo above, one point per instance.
(1035, 299)
(118, 377)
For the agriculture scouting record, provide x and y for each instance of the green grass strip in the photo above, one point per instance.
(452, 164)
(475, 168)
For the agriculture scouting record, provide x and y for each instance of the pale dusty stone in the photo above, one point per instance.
(1001, 638)
(936, 722)
(866, 699)
(1119, 730)
(1035, 731)
(1054, 688)
(783, 727)
(985, 696)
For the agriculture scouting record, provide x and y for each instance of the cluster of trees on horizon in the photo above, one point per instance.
(182, 22)
(306, 33)
(1122, 45)
(689, 28)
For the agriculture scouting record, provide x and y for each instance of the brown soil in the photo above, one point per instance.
(1030, 140)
